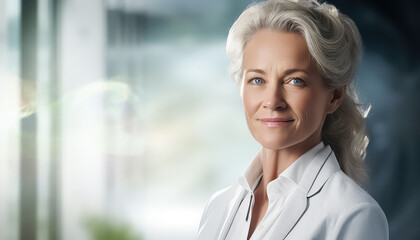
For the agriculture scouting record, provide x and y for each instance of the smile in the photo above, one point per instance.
(275, 122)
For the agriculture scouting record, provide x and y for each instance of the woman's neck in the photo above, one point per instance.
(274, 162)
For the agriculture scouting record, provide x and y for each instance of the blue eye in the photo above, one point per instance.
(296, 81)
(257, 81)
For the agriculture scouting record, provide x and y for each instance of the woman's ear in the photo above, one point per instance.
(337, 97)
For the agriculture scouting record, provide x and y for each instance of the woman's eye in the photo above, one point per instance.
(257, 81)
(296, 81)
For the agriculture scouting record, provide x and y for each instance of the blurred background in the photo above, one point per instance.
(118, 119)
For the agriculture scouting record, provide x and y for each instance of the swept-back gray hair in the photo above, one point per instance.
(335, 44)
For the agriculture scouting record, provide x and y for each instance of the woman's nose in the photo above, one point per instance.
(275, 99)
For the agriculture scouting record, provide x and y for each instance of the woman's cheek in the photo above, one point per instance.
(250, 99)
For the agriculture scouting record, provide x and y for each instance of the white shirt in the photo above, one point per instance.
(278, 191)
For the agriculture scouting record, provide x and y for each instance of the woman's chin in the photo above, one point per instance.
(274, 144)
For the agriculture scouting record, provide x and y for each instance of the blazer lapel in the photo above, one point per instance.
(231, 212)
(296, 204)
(293, 209)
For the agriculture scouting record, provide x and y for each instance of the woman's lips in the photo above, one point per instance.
(275, 122)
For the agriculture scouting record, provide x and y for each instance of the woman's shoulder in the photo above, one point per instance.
(221, 198)
(340, 186)
(215, 212)
(342, 198)
(348, 210)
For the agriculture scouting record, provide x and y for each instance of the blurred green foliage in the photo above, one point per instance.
(105, 228)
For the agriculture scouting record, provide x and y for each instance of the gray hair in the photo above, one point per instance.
(335, 44)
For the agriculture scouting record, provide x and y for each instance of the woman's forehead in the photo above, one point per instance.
(268, 49)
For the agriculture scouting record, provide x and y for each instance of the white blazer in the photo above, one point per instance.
(327, 204)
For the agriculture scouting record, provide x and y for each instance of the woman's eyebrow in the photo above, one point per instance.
(293, 70)
(260, 71)
(285, 73)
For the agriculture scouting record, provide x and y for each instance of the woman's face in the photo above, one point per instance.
(284, 97)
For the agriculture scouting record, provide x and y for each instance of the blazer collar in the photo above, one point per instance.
(319, 170)
(327, 165)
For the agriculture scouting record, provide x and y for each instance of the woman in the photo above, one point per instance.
(295, 63)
